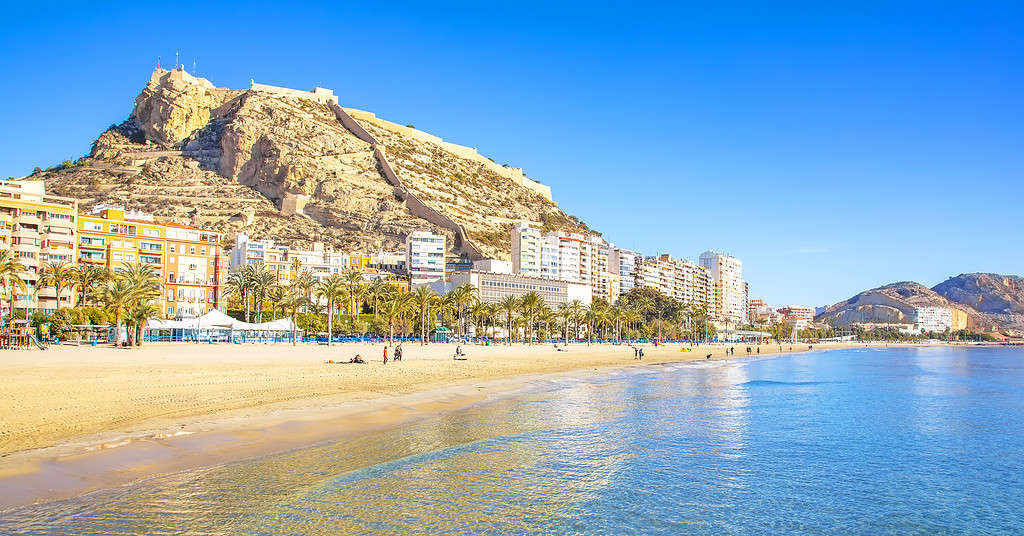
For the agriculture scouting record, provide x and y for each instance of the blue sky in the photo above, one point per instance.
(832, 147)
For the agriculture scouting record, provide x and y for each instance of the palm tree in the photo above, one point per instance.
(260, 283)
(464, 295)
(304, 283)
(238, 285)
(565, 313)
(376, 291)
(447, 307)
(117, 295)
(356, 289)
(87, 277)
(478, 312)
(424, 297)
(11, 269)
(139, 314)
(331, 289)
(508, 305)
(275, 294)
(530, 304)
(57, 275)
(577, 309)
(394, 308)
(546, 315)
(144, 280)
(293, 300)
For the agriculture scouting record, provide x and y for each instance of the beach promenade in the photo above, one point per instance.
(78, 418)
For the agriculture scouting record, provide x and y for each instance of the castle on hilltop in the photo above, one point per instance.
(327, 97)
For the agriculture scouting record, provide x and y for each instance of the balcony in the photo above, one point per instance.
(27, 247)
(55, 223)
(24, 233)
(28, 220)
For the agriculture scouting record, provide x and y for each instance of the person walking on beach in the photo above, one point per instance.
(398, 352)
(641, 354)
(385, 354)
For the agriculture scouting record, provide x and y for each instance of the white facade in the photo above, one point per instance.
(424, 257)
(933, 319)
(526, 250)
(626, 264)
(730, 290)
(493, 287)
(248, 251)
(550, 265)
(494, 266)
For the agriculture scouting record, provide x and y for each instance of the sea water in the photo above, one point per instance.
(860, 441)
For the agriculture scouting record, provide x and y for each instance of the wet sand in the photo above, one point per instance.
(74, 419)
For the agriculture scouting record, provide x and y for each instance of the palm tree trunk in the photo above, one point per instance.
(330, 320)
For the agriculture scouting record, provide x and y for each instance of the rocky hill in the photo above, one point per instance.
(991, 302)
(294, 166)
(998, 299)
(890, 303)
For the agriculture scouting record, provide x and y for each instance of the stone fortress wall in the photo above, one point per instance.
(319, 94)
(515, 175)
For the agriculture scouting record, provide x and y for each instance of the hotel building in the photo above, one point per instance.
(626, 264)
(187, 259)
(424, 257)
(38, 229)
(729, 290)
(933, 319)
(526, 249)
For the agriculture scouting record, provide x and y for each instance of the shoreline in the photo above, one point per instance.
(80, 464)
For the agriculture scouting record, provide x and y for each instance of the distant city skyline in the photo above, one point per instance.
(830, 149)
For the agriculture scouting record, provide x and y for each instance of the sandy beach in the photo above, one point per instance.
(79, 418)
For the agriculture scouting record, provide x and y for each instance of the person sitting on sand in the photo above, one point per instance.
(357, 359)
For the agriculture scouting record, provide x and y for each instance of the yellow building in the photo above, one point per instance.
(188, 260)
(38, 228)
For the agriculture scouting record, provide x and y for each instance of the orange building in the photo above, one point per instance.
(188, 260)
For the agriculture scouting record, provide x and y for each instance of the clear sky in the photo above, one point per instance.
(832, 146)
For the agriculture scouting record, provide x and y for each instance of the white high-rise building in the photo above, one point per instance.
(933, 319)
(626, 264)
(424, 257)
(730, 291)
(569, 259)
(526, 250)
(550, 265)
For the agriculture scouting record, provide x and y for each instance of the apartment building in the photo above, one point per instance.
(626, 264)
(287, 262)
(189, 260)
(730, 292)
(425, 257)
(933, 319)
(526, 249)
(38, 228)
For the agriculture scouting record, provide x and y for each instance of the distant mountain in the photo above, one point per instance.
(992, 302)
(890, 303)
(997, 299)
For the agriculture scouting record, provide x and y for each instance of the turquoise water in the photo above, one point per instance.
(894, 441)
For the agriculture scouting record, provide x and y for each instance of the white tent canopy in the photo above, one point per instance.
(218, 320)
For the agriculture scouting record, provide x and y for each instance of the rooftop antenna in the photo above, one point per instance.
(158, 62)
(175, 60)
(194, 67)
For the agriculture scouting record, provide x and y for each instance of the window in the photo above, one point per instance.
(151, 232)
(170, 294)
(192, 250)
(93, 226)
(172, 248)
